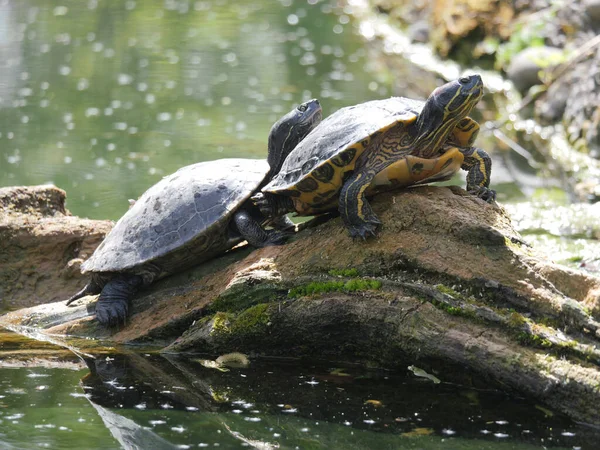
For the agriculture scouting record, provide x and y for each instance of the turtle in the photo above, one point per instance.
(379, 145)
(198, 212)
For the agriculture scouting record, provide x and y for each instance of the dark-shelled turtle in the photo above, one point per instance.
(199, 212)
(379, 145)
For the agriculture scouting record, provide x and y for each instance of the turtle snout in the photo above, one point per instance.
(471, 82)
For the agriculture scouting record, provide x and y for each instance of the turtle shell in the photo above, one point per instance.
(181, 217)
(313, 173)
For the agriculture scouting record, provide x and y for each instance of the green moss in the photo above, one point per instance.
(221, 323)
(533, 340)
(322, 287)
(448, 291)
(243, 297)
(453, 310)
(252, 320)
(516, 320)
(343, 272)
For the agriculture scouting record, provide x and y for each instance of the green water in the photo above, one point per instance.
(103, 98)
(145, 401)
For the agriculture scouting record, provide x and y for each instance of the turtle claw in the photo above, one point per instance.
(261, 201)
(278, 238)
(112, 313)
(484, 193)
(364, 230)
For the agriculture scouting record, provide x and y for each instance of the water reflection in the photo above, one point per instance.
(103, 98)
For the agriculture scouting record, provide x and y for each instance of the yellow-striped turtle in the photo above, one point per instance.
(197, 213)
(378, 145)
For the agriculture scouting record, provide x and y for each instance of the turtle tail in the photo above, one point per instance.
(92, 288)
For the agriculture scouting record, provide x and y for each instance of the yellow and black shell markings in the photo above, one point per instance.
(321, 185)
(412, 170)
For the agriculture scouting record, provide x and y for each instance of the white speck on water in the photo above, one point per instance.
(25, 92)
(157, 422)
(124, 79)
(44, 48)
(116, 104)
(167, 143)
(109, 53)
(132, 130)
(68, 160)
(64, 70)
(60, 11)
(501, 435)
(100, 162)
(83, 84)
(179, 429)
(120, 126)
(225, 101)
(142, 87)
(24, 119)
(567, 434)
(129, 5)
(448, 431)
(164, 116)
(191, 408)
(292, 19)
(252, 419)
(44, 85)
(150, 98)
(108, 111)
(97, 47)
(91, 36)
(10, 135)
(111, 146)
(44, 103)
(502, 422)
(92, 112)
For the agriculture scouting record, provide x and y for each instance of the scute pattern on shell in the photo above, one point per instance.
(339, 131)
(196, 201)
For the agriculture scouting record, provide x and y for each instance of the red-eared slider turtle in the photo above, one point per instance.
(380, 144)
(196, 213)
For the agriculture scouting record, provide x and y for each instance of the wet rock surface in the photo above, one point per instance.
(447, 281)
(42, 246)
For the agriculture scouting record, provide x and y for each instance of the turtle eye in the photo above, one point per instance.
(302, 107)
(463, 80)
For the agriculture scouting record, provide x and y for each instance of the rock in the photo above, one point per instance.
(448, 281)
(592, 10)
(41, 246)
(525, 66)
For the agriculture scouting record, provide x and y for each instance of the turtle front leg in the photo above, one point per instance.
(254, 233)
(113, 303)
(359, 218)
(478, 165)
(271, 205)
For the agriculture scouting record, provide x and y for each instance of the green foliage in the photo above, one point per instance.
(316, 287)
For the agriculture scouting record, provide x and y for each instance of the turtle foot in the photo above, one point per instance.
(277, 238)
(263, 203)
(364, 230)
(112, 313)
(484, 193)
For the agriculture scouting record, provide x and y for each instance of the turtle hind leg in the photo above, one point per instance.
(254, 233)
(113, 304)
(92, 288)
(359, 218)
(478, 165)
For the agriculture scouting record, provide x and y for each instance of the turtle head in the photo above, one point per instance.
(446, 106)
(458, 97)
(288, 131)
